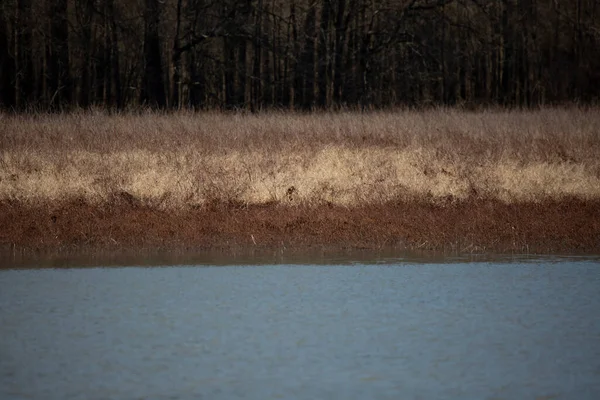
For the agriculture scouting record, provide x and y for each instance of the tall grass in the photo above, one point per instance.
(190, 159)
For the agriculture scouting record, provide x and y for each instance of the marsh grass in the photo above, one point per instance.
(191, 160)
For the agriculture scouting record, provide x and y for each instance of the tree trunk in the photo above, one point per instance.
(7, 66)
(87, 21)
(23, 59)
(177, 68)
(340, 48)
(324, 56)
(60, 77)
(508, 60)
(257, 86)
(306, 83)
(153, 85)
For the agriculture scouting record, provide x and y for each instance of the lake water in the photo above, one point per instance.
(400, 330)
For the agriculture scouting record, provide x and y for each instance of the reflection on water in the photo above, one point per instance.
(259, 256)
(463, 330)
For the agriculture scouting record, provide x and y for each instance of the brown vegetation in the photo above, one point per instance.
(471, 227)
(440, 179)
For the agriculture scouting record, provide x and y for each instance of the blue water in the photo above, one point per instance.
(516, 330)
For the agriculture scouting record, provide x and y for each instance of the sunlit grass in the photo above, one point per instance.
(190, 159)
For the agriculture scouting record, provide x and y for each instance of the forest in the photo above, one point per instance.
(61, 55)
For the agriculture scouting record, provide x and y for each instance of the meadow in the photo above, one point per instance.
(289, 163)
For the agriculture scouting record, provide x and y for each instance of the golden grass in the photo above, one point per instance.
(190, 159)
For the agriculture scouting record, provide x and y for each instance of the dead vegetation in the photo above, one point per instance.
(438, 179)
(189, 160)
(473, 226)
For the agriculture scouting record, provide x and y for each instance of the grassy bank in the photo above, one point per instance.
(460, 177)
(468, 227)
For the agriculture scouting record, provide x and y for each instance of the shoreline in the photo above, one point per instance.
(471, 226)
(441, 180)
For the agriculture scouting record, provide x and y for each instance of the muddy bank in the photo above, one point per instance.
(469, 226)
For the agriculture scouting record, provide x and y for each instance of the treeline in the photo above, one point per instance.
(297, 54)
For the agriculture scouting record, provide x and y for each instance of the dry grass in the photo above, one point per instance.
(188, 160)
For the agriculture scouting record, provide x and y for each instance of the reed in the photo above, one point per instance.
(188, 160)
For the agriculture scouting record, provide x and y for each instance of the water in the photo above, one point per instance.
(484, 330)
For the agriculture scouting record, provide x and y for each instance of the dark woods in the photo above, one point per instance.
(297, 54)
